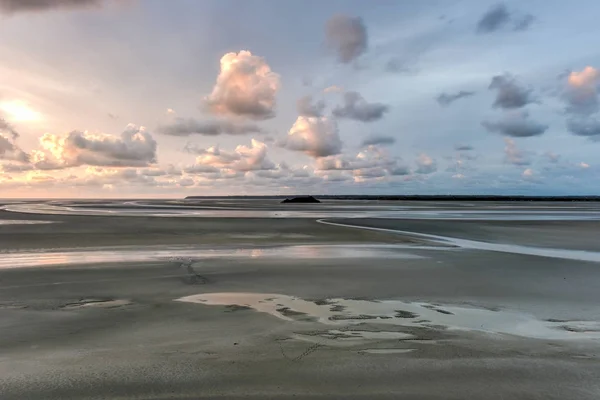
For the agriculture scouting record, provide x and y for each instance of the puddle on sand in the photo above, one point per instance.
(387, 351)
(41, 259)
(394, 312)
(95, 303)
(23, 222)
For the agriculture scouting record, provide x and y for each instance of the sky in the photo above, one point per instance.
(157, 98)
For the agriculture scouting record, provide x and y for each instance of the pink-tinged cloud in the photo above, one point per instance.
(135, 147)
(581, 92)
(245, 87)
(316, 137)
(242, 159)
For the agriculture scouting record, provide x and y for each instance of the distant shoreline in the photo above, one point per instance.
(416, 197)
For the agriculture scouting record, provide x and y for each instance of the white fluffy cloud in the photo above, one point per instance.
(135, 147)
(371, 162)
(316, 137)
(245, 87)
(242, 159)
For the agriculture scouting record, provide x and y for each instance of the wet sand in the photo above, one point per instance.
(403, 318)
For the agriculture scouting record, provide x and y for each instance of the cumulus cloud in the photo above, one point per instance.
(516, 124)
(242, 159)
(513, 155)
(584, 126)
(191, 126)
(445, 99)
(135, 147)
(498, 17)
(9, 150)
(371, 162)
(307, 108)
(528, 173)
(581, 92)
(14, 6)
(357, 108)
(245, 87)
(379, 140)
(316, 137)
(584, 165)
(347, 36)
(425, 164)
(510, 94)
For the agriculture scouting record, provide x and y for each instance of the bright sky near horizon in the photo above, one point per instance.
(154, 98)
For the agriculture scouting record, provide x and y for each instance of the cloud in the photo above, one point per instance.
(445, 99)
(463, 147)
(242, 159)
(14, 6)
(523, 23)
(528, 174)
(9, 150)
(170, 111)
(584, 126)
(316, 137)
(552, 157)
(333, 89)
(425, 164)
(135, 147)
(245, 87)
(191, 126)
(498, 17)
(513, 155)
(379, 140)
(347, 36)
(581, 92)
(516, 124)
(369, 163)
(356, 107)
(5, 127)
(494, 19)
(307, 108)
(584, 165)
(510, 94)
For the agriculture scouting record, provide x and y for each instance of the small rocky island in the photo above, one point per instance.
(301, 200)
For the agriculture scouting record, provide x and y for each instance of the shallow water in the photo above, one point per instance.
(343, 312)
(192, 255)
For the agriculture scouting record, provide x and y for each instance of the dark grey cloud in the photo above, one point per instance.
(498, 17)
(191, 126)
(379, 140)
(494, 19)
(9, 150)
(523, 23)
(5, 127)
(510, 94)
(516, 124)
(307, 108)
(463, 147)
(347, 36)
(357, 108)
(445, 99)
(14, 6)
(584, 126)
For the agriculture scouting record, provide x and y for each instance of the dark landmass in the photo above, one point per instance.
(301, 199)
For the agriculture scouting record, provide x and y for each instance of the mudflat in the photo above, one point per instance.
(157, 300)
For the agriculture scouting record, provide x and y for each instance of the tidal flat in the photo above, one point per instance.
(221, 298)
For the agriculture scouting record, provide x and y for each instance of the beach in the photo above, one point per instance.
(353, 300)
